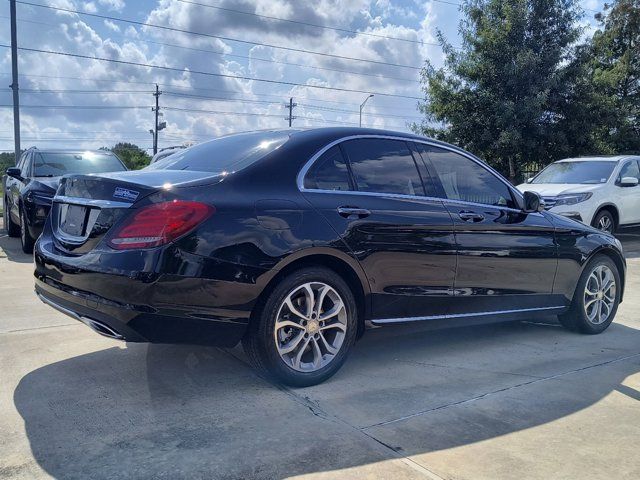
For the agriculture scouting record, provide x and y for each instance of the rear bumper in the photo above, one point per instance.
(138, 307)
(123, 323)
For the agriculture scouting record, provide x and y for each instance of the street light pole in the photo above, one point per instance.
(362, 106)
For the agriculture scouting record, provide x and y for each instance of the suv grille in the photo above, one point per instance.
(549, 202)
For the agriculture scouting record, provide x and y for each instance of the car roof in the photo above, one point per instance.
(329, 134)
(603, 158)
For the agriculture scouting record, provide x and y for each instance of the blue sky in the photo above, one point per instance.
(122, 92)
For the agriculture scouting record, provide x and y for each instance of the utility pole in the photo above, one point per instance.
(14, 78)
(157, 111)
(290, 107)
(362, 106)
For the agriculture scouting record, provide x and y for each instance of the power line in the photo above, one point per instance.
(210, 74)
(308, 24)
(219, 37)
(246, 57)
(193, 89)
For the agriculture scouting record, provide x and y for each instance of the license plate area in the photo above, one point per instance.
(73, 219)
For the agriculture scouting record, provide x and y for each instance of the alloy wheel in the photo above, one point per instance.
(605, 224)
(599, 295)
(310, 327)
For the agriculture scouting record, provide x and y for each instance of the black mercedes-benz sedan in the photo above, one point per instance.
(292, 241)
(31, 185)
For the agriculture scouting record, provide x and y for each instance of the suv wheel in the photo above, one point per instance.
(596, 299)
(26, 239)
(604, 221)
(302, 334)
(11, 228)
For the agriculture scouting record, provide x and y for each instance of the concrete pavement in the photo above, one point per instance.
(513, 400)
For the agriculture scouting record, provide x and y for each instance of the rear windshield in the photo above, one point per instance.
(224, 154)
(56, 164)
(588, 172)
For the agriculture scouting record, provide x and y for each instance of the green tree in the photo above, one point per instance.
(133, 156)
(507, 92)
(614, 66)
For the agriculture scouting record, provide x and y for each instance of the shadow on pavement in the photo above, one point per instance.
(10, 247)
(162, 411)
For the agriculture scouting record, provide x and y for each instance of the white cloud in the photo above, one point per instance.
(261, 102)
(111, 26)
(116, 5)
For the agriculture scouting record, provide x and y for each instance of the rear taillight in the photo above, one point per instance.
(159, 224)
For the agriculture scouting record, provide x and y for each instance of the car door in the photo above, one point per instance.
(628, 198)
(14, 187)
(507, 259)
(372, 194)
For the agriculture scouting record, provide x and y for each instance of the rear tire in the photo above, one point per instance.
(604, 221)
(10, 227)
(26, 239)
(303, 331)
(596, 299)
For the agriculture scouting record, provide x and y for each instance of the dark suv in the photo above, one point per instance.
(29, 187)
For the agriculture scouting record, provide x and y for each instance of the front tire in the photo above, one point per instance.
(26, 239)
(596, 299)
(11, 228)
(303, 332)
(604, 221)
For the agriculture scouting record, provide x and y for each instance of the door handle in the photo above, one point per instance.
(471, 216)
(353, 212)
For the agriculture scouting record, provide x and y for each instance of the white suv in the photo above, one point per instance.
(600, 191)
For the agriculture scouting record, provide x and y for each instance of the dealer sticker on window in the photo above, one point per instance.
(125, 194)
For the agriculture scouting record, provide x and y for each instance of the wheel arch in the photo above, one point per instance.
(341, 263)
(617, 259)
(611, 208)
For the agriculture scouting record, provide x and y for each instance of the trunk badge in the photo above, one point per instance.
(125, 194)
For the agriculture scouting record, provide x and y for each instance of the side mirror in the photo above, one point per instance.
(529, 180)
(14, 173)
(628, 182)
(533, 202)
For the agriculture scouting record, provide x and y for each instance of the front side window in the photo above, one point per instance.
(630, 169)
(463, 179)
(383, 166)
(63, 163)
(329, 172)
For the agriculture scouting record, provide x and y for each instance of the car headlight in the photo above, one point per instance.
(572, 198)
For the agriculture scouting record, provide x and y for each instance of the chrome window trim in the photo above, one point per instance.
(305, 168)
(376, 321)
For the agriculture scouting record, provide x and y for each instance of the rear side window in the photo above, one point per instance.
(383, 166)
(329, 172)
(464, 179)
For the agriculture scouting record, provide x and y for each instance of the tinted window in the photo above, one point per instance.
(464, 179)
(383, 166)
(25, 166)
(224, 154)
(630, 169)
(422, 158)
(329, 172)
(588, 172)
(56, 164)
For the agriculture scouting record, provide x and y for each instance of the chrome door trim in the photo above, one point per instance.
(305, 168)
(382, 321)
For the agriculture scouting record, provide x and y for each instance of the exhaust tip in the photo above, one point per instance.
(101, 328)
